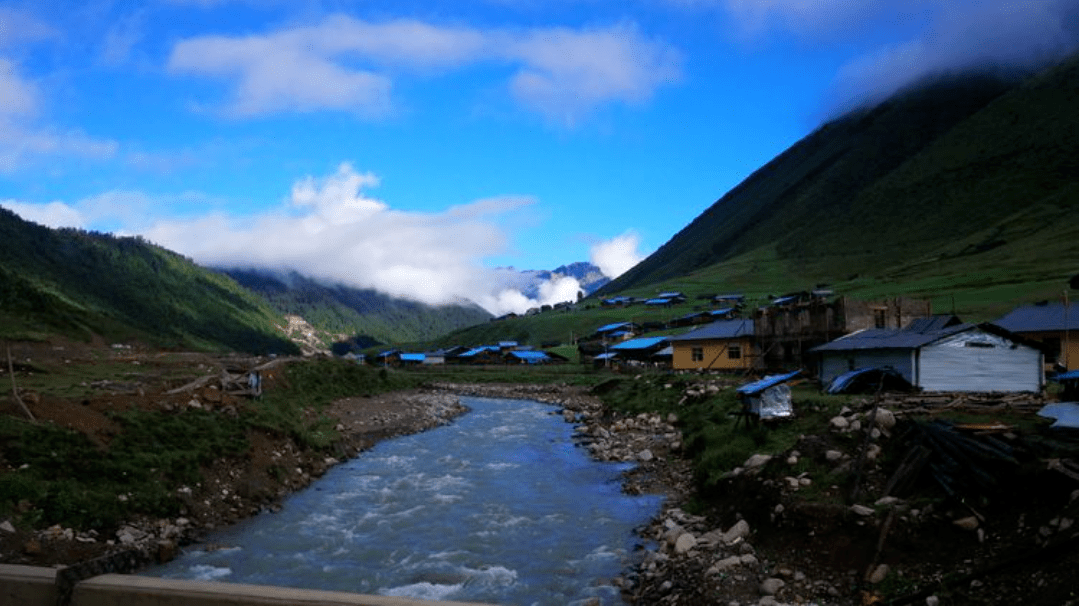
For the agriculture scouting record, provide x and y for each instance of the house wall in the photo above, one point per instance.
(715, 354)
(999, 364)
(891, 313)
(835, 363)
(1062, 347)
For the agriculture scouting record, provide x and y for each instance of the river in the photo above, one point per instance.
(498, 507)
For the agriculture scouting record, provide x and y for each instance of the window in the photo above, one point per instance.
(697, 354)
(734, 351)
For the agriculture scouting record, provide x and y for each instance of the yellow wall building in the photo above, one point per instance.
(723, 345)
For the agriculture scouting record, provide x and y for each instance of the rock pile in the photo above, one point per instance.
(690, 563)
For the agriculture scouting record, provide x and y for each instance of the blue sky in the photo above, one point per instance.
(419, 147)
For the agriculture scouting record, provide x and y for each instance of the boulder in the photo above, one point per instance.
(967, 523)
(728, 563)
(685, 542)
(741, 529)
(770, 586)
(884, 419)
(756, 461)
(878, 574)
(862, 511)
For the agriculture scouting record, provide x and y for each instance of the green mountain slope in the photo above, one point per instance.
(961, 189)
(338, 312)
(86, 285)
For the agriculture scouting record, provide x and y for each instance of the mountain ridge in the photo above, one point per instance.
(804, 201)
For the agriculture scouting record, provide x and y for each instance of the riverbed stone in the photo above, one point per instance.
(757, 461)
(685, 542)
(740, 530)
(862, 510)
(727, 563)
(770, 586)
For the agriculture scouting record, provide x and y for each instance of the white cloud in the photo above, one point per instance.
(349, 64)
(807, 19)
(22, 145)
(18, 27)
(964, 36)
(22, 141)
(18, 96)
(56, 214)
(615, 256)
(329, 229)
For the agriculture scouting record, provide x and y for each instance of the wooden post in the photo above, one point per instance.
(15, 389)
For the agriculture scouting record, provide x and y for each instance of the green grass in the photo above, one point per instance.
(711, 438)
(59, 476)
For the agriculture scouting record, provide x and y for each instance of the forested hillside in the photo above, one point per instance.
(86, 285)
(364, 314)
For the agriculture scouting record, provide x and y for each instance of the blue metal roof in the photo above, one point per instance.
(766, 382)
(413, 357)
(532, 356)
(478, 350)
(641, 343)
(1065, 415)
(657, 301)
(720, 330)
(611, 326)
(1052, 316)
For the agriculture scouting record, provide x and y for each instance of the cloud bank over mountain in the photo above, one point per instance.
(331, 230)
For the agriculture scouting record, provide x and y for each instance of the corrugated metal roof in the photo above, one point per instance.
(720, 330)
(1065, 415)
(889, 339)
(611, 326)
(766, 382)
(1052, 316)
(477, 351)
(412, 356)
(657, 301)
(641, 343)
(932, 323)
(529, 355)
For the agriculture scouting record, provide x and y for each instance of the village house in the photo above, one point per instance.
(1052, 324)
(616, 331)
(527, 357)
(722, 345)
(703, 317)
(939, 353)
(640, 350)
(789, 327)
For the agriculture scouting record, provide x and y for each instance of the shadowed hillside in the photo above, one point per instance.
(342, 312)
(953, 179)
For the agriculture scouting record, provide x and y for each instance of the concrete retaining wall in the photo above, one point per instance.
(29, 585)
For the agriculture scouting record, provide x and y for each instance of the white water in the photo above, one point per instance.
(498, 507)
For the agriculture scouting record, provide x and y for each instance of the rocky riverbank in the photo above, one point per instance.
(768, 538)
